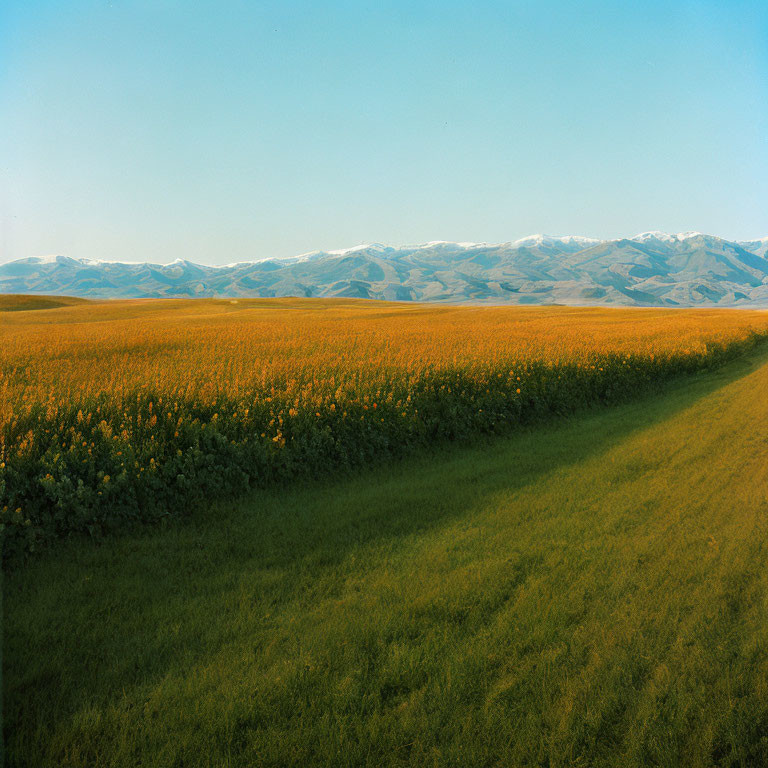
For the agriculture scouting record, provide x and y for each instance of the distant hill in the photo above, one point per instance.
(651, 269)
(16, 303)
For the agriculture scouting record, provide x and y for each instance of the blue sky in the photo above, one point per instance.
(225, 131)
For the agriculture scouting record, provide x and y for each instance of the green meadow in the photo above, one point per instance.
(590, 592)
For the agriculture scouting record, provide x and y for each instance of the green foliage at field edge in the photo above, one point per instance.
(65, 471)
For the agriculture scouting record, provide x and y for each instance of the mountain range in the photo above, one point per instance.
(650, 269)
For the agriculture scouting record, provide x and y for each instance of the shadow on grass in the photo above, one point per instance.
(409, 495)
(86, 621)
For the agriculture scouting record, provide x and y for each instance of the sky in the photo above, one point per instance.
(228, 131)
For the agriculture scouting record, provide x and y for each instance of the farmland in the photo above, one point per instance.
(589, 591)
(118, 412)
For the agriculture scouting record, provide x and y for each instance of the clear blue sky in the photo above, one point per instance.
(224, 131)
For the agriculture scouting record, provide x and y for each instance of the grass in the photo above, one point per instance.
(28, 302)
(589, 593)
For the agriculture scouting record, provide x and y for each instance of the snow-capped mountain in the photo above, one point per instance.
(758, 247)
(649, 269)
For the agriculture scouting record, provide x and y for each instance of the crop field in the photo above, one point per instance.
(138, 410)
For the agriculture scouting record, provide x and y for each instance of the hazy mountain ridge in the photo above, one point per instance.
(654, 268)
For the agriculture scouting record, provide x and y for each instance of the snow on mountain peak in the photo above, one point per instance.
(449, 243)
(550, 240)
(664, 237)
(759, 246)
(355, 248)
(382, 248)
(52, 258)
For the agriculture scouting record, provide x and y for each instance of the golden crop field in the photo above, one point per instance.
(135, 410)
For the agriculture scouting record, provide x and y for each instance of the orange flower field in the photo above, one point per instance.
(135, 410)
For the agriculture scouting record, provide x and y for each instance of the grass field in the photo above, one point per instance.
(22, 303)
(115, 412)
(591, 592)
